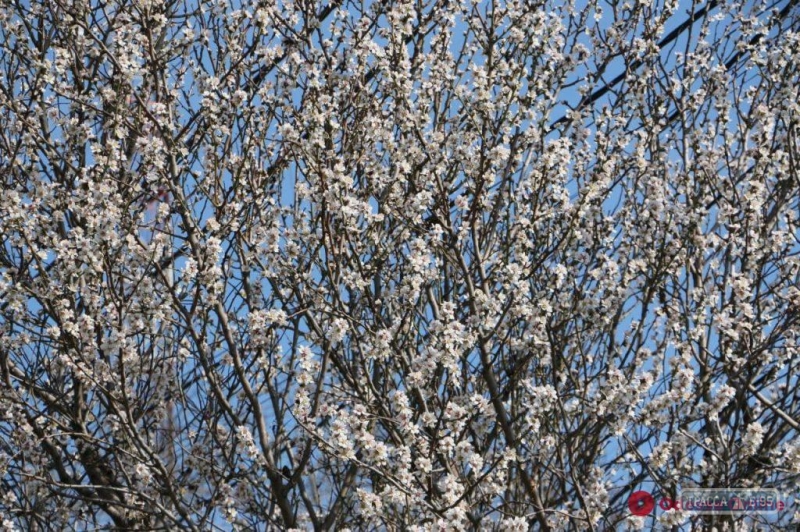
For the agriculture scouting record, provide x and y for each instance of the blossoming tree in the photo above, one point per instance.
(395, 265)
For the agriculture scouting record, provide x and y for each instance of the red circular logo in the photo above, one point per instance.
(641, 503)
